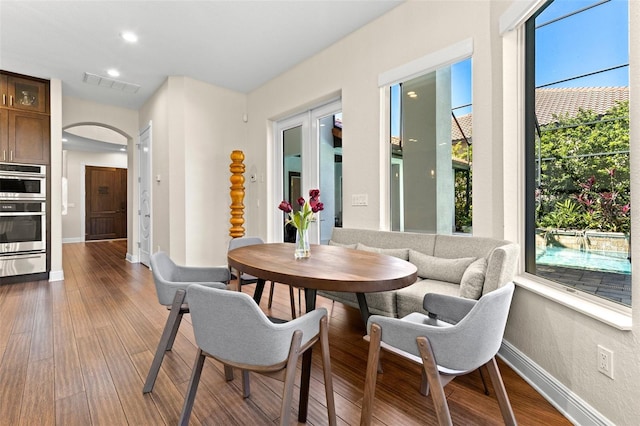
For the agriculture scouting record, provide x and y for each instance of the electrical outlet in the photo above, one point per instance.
(605, 361)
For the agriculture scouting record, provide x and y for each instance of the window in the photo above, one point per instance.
(578, 196)
(430, 188)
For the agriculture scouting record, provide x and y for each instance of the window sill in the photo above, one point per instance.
(618, 317)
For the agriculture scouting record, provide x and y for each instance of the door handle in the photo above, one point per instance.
(147, 215)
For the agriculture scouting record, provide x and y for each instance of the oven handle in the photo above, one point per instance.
(5, 214)
(5, 175)
(14, 256)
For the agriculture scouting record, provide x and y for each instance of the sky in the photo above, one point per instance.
(583, 43)
(586, 42)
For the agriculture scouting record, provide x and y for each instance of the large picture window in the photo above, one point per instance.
(431, 151)
(577, 115)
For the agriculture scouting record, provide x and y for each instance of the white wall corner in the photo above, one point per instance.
(132, 258)
(56, 276)
(561, 397)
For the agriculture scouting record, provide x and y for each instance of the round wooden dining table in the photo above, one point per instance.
(330, 268)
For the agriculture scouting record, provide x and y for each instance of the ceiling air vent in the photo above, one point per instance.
(110, 83)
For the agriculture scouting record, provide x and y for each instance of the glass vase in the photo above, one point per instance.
(302, 244)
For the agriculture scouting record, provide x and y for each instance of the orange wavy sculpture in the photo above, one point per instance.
(237, 194)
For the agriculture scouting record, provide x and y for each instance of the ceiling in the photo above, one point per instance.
(238, 45)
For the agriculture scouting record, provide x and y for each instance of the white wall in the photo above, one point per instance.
(350, 69)
(196, 126)
(72, 223)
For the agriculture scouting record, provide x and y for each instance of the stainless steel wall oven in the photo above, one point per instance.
(23, 224)
(22, 181)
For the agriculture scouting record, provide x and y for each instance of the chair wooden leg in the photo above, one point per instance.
(290, 377)
(484, 382)
(375, 334)
(169, 333)
(326, 368)
(424, 384)
(433, 377)
(246, 384)
(501, 393)
(293, 303)
(228, 373)
(190, 397)
(271, 289)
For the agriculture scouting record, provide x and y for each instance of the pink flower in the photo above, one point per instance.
(590, 182)
(305, 215)
(626, 208)
(608, 195)
(285, 206)
(611, 171)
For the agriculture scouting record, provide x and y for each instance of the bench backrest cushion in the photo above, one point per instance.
(423, 243)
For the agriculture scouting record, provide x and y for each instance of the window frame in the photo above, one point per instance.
(449, 55)
(516, 179)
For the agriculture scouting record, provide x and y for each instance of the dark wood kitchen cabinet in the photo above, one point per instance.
(24, 119)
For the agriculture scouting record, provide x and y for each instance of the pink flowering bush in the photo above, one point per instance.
(605, 209)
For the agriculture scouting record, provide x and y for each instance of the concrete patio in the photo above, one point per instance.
(609, 285)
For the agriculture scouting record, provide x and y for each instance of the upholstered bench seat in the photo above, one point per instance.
(454, 265)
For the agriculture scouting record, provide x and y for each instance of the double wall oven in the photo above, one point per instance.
(23, 224)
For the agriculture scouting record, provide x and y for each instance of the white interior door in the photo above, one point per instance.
(145, 196)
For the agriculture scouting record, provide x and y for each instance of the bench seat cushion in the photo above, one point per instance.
(382, 303)
(409, 299)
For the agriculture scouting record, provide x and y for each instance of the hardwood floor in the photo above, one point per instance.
(76, 352)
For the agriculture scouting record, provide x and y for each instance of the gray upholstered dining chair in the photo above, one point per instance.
(171, 283)
(244, 278)
(457, 337)
(230, 327)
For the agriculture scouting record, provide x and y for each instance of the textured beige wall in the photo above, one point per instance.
(195, 128)
(350, 69)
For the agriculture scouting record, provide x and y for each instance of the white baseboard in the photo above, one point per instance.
(132, 258)
(73, 240)
(562, 398)
(56, 276)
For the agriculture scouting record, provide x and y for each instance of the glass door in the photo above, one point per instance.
(309, 147)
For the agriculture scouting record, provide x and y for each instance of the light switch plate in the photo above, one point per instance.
(359, 200)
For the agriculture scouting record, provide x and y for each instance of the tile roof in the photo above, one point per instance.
(465, 122)
(552, 102)
(568, 101)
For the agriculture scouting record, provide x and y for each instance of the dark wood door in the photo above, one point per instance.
(106, 203)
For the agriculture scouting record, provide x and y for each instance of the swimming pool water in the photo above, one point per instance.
(592, 260)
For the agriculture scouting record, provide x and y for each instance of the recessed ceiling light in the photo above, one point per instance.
(113, 72)
(65, 140)
(129, 36)
(123, 149)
